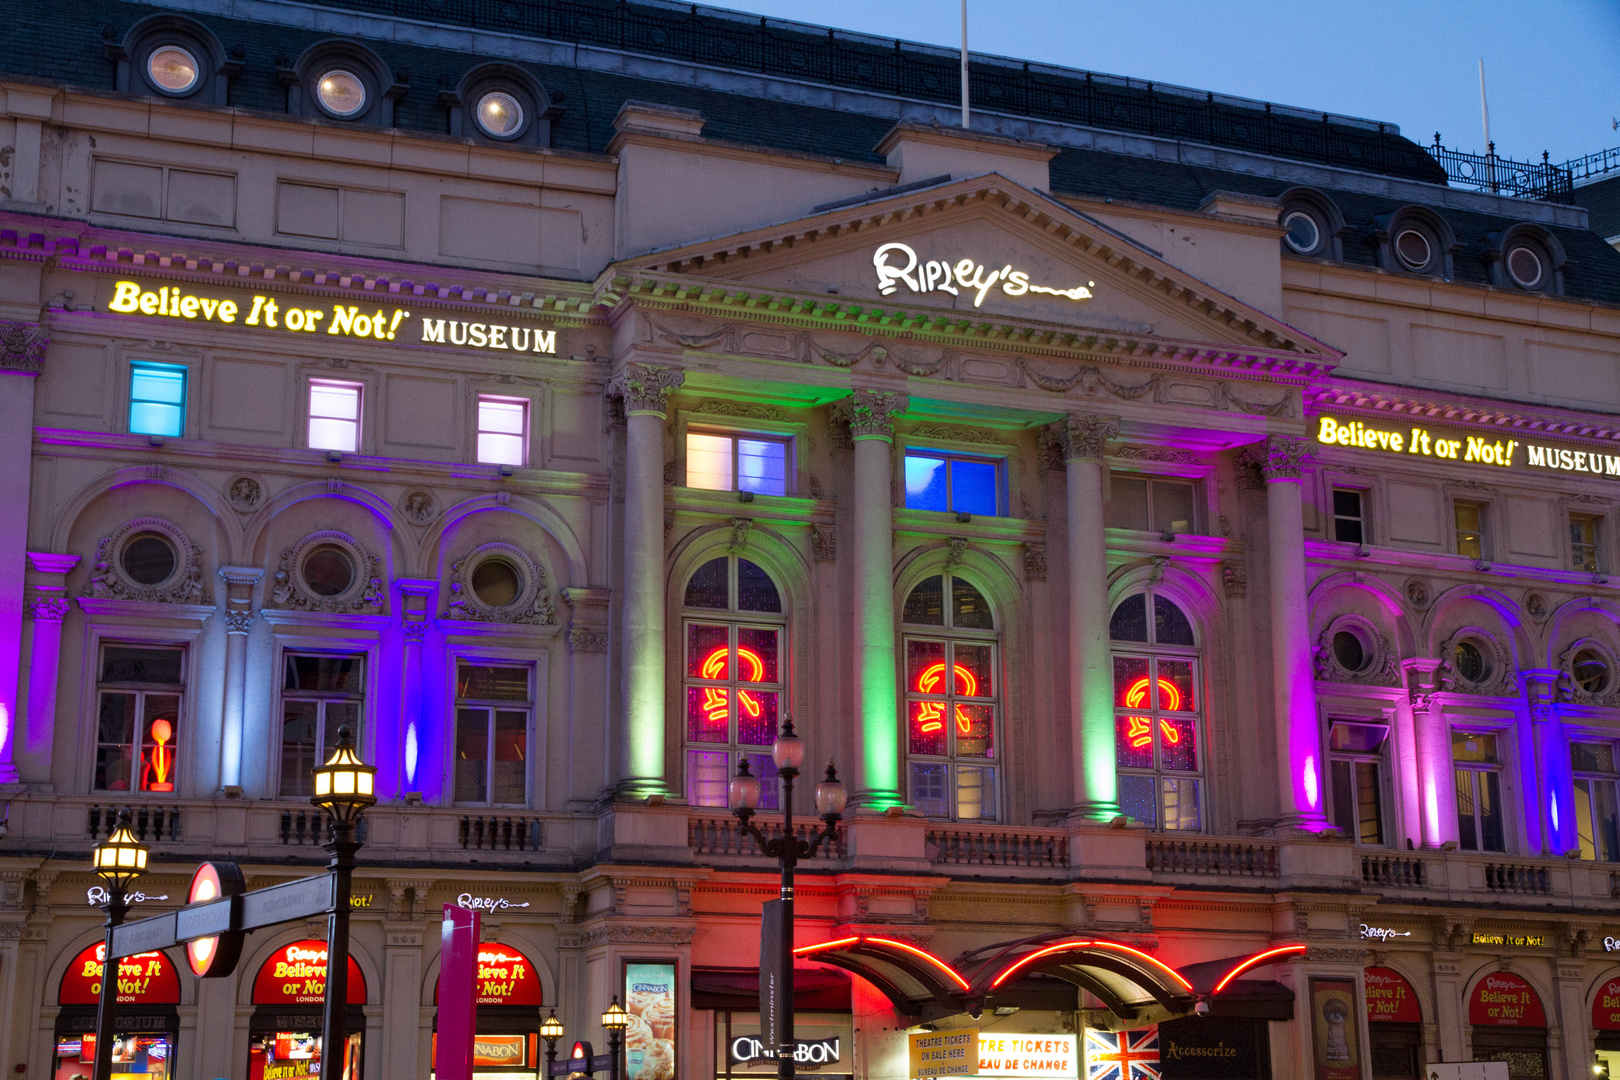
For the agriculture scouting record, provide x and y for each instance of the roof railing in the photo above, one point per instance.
(1498, 175)
(1594, 165)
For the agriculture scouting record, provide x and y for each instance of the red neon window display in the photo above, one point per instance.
(950, 688)
(1156, 728)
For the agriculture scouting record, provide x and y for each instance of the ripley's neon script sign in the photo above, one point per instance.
(1477, 449)
(344, 320)
(896, 263)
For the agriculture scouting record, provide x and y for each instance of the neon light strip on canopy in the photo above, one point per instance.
(841, 943)
(1256, 959)
(1024, 961)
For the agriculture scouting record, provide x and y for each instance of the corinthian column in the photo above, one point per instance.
(871, 426)
(644, 388)
(1091, 710)
(1281, 461)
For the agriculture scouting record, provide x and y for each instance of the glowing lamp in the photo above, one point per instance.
(615, 1019)
(744, 788)
(345, 785)
(120, 858)
(551, 1028)
(831, 796)
(788, 750)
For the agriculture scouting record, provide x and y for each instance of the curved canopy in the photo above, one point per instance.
(916, 981)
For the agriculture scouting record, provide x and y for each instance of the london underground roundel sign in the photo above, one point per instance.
(215, 956)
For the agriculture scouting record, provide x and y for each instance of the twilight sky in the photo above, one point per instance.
(1552, 67)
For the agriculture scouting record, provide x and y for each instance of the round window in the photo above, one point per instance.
(149, 558)
(328, 570)
(496, 582)
(500, 115)
(1590, 671)
(1469, 662)
(1303, 232)
(341, 93)
(1524, 267)
(1413, 249)
(1349, 650)
(172, 69)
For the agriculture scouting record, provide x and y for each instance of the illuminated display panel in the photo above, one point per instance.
(1156, 705)
(951, 685)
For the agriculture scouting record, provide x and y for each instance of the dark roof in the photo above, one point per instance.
(1602, 201)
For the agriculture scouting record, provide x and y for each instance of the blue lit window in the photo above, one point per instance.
(737, 463)
(157, 399)
(957, 485)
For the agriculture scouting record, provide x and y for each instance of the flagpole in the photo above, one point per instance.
(965, 124)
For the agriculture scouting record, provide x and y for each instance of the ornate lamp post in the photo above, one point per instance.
(551, 1030)
(344, 787)
(787, 850)
(614, 1021)
(118, 860)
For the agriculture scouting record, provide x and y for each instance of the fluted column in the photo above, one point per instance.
(644, 388)
(878, 782)
(1437, 806)
(1281, 460)
(239, 582)
(1096, 784)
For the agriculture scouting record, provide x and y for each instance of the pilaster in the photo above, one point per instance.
(238, 612)
(22, 353)
(48, 605)
(416, 740)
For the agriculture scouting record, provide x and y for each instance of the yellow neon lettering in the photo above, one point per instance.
(377, 325)
(269, 312)
(311, 317)
(149, 303)
(227, 311)
(258, 306)
(362, 326)
(208, 307)
(188, 307)
(294, 318)
(399, 313)
(126, 297)
(342, 320)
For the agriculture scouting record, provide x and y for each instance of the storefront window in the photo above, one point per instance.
(1509, 1024)
(138, 727)
(284, 1032)
(953, 691)
(1478, 772)
(148, 1024)
(508, 998)
(1157, 703)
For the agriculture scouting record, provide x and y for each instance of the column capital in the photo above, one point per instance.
(47, 562)
(1085, 438)
(1279, 457)
(49, 608)
(872, 413)
(22, 346)
(645, 387)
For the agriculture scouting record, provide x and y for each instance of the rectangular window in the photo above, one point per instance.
(960, 485)
(1470, 519)
(319, 694)
(138, 717)
(951, 725)
(733, 697)
(753, 463)
(503, 430)
(1349, 524)
(492, 734)
(1156, 749)
(334, 415)
(1583, 542)
(157, 399)
(1145, 505)
(1356, 754)
(1478, 772)
(1595, 803)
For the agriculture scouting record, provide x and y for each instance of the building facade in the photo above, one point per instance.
(1185, 522)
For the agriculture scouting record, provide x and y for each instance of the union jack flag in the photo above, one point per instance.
(1122, 1055)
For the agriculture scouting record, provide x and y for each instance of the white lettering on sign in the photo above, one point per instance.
(97, 895)
(897, 263)
(486, 903)
(1382, 933)
(488, 336)
(746, 1048)
(1611, 944)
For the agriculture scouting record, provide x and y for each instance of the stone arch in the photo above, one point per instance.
(162, 475)
(257, 525)
(94, 935)
(976, 563)
(1520, 637)
(248, 967)
(1556, 633)
(1188, 590)
(1527, 972)
(1395, 605)
(511, 936)
(553, 523)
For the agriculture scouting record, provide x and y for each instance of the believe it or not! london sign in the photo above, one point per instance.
(1418, 440)
(251, 308)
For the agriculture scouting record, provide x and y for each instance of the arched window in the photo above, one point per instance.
(734, 635)
(1157, 698)
(952, 683)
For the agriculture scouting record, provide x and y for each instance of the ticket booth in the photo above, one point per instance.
(147, 1024)
(1394, 1025)
(1509, 1025)
(284, 1033)
(506, 1044)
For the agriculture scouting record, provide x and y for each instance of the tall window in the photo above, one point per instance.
(1356, 755)
(952, 697)
(1595, 803)
(1150, 505)
(157, 399)
(1583, 542)
(734, 678)
(319, 694)
(755, 463)
(1478, 771)
(334, 415)
(492, 734)
(1470, 520)
(503, 430)
(1156, 709)
(1349, 519)
(138, 728)
(962, 485)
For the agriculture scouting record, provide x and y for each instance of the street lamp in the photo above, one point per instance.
(614, 1021)
(551, 1030)
(787, 850)
(118, 860)
(344, 787)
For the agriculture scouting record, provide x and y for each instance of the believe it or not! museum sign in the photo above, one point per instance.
(1420, 441)
(265, 313)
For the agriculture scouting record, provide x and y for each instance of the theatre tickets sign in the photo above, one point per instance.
(266, 313)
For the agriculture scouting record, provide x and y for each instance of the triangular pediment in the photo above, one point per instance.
(983, 251)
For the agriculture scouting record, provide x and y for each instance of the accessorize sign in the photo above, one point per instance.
(296, 975)
(1199, 1048)
(1390, 998)
(1027, 1055)
(898, 264)
(1504, 1000)
(1473, 449)
(342, 320)
(944, 1053)
(146, 978)
(649, 1038)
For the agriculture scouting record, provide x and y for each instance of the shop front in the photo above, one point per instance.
(823, 1027)
(284, 1033)
(1509, 1024)
(1606, 1028)
(147, 1025)
(1394, 1025)
(506, 1044)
